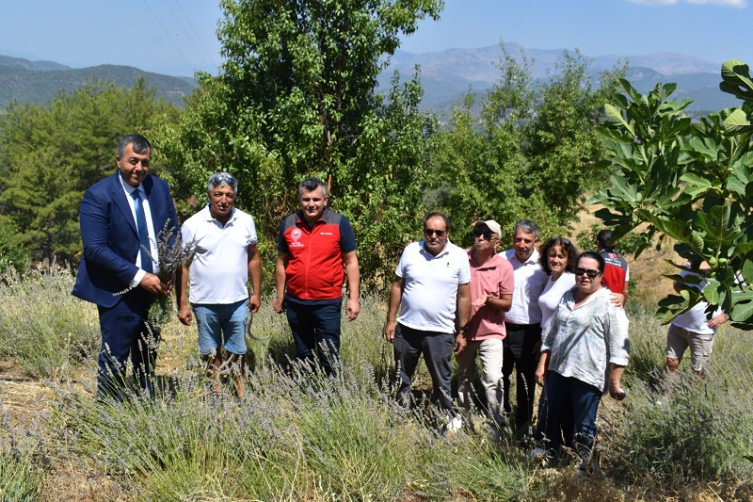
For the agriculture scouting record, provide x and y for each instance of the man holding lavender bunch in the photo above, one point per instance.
(225, 257)
(119, 216)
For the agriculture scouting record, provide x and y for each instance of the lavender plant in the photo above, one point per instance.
(173, 254)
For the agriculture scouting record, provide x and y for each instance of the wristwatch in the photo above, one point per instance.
(463, 329)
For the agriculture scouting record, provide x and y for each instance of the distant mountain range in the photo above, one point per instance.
(39, 81)
(445, 76)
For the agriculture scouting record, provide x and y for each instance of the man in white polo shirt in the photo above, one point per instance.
(432, 284)
(522, 321)
(226, 256)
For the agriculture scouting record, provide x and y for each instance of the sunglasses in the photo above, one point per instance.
(222, 178)
(488, 234)
(428, 232)
(590, 273)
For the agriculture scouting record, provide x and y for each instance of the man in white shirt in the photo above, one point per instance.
(693, 329)
(522, 321)
(226, 256)
(433, 285)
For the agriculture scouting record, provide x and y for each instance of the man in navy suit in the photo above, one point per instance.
(118, 215)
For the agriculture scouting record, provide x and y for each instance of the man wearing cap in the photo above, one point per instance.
(522, 321)
(226, 256)
(431, 289)
(491, 296)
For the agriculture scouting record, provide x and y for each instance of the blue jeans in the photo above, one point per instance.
(437, 350)
(218, 320)
(316, 332)
(584, 398)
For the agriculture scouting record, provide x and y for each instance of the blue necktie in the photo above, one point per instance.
(146, 261)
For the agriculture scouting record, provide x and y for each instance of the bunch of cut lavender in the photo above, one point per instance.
(173, 254)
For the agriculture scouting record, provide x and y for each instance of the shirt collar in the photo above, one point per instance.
(441, 253)
(128, 188)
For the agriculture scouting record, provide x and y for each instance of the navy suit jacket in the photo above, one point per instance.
(110, 237)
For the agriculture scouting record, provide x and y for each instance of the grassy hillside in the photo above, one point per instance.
(303, 436)
(28, 83)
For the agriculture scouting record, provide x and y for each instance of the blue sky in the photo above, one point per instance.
(179, 36)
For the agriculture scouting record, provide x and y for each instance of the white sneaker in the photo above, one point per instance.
(455, 424)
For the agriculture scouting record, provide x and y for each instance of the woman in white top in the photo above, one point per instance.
(558, 261)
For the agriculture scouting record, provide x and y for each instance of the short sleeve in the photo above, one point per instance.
(282, 244)
(347, 237)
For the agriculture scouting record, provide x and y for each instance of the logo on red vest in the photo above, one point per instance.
(295, 234)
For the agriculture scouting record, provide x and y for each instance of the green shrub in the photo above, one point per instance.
(689, 429)
(42, 326)
(13, 253)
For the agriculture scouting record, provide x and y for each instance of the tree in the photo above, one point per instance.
(691, 182)
(532, 153)
(49, 155)
(296, 97)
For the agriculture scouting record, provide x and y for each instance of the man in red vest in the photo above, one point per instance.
(616, 270)
(315, 243)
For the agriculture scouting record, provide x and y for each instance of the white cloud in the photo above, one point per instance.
(724, 3)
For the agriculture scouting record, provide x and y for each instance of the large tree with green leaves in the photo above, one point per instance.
(296, 97)
(50, 155)
(532, 153)
(691, 182)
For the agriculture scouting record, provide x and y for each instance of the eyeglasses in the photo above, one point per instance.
(222, 178)
(428, 232)
(590, 273)
(488, 234)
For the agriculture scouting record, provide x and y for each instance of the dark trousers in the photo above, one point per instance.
(519, 344)
(561, 429)
(124, 335)
(316, 332)
(570, 394)
(436, 347)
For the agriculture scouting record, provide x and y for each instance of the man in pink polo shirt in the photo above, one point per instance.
(491, 296)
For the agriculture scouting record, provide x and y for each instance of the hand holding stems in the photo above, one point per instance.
(254, 302)
(154, 285)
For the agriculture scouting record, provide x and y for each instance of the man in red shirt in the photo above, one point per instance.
(314, 245)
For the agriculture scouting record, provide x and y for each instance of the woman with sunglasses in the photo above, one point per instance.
(584, 353)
